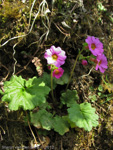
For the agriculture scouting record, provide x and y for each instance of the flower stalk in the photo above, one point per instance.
(73, 68)
(52, 86)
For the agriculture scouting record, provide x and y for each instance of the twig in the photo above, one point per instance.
(61, 145)
(88, 73)
(67, 34)
(83, 91)
(7, 73)
(31, 11)
(32, 133)
(15, 61)
(100, 107)
(39, 139)
(27, 63)
(2, 129)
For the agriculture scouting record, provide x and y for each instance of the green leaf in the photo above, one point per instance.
(46, 78)
(83, 116)
(60, 125)
(101, 7)
(91, 88)
(100, 88)
(99, 94)
(42, 119)
(71, 124)
(64, 79)
(69, 97)
(85, 44)
(35, 119)
(45, 120)
(93, 98)
(24, 94)
(45, 106)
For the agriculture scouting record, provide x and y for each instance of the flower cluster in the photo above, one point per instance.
(96, 48)
(55, 58)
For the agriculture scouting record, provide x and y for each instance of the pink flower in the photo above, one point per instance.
(101, 63)
(84, 62)
(55, 56)
(57, 73)
(49, 67)
(95, 46)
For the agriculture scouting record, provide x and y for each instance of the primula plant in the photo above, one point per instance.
(37, 95)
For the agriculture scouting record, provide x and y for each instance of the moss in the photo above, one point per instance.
(11, 10)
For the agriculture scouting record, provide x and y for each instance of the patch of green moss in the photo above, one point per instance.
(11, 10)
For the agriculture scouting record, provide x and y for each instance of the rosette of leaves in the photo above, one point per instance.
(26, 94)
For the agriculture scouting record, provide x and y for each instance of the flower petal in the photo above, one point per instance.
(55, 51)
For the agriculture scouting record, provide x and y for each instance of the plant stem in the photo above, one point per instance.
(52, 86)
(31, 130)
(73, 68)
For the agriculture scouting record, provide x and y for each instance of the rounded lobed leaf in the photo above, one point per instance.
(60, 125)
(25, 94)
(83, 116)
(42, 119)
(69, 97)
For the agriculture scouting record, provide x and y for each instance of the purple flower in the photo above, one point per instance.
(101, 63)
(55, 56)
(57, 73)
(95, 46)
(84, 62)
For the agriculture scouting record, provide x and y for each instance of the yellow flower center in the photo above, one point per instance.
(56, 71)
(93, 46)
(54, 57)
(99, 62)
